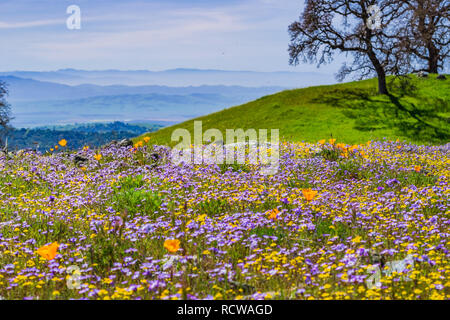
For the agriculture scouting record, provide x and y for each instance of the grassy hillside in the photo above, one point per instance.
(417, 111)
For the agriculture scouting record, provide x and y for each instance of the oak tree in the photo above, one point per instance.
(362, 28)
(424, 34)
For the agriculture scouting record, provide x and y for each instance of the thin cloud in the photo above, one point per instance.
(30, 24)
(158, 34)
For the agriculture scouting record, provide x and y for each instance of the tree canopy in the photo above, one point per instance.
(383, 37)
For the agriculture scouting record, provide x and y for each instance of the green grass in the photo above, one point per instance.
(132, 200)
(415, 111)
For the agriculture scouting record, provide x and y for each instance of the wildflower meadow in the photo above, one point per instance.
(126, 223)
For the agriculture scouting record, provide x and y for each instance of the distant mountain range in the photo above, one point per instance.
(38, 103)
(178, 77)
(78, 96)
(23, 89)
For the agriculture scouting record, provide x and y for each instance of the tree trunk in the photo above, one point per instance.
(433, 67)
(433, 58)
(382, 88)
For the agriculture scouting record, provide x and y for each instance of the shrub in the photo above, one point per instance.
(134, 200)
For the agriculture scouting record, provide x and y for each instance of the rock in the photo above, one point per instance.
(441, 77)
(247, 289)
(125, 143)
(112, 143)
(79, 159)
(24, 151)
(121, 143)
(217, 143)
(422, 74)
(377, 258)
(154, 156)
(250, 143)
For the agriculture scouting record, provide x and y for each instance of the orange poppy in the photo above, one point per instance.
(63, 142)
(48, 252)
(273, 214)
(172, 245)
(309, 194)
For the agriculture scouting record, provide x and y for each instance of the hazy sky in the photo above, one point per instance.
(149, 34)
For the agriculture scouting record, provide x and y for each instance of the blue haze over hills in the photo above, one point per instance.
(79, 96)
